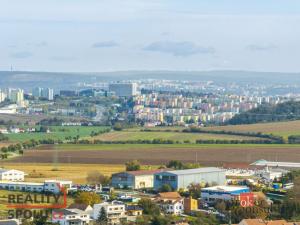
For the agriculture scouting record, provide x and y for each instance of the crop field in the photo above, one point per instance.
(158, 154)
(283, 129)
(170, 135)
(57, 133)
(38, 172)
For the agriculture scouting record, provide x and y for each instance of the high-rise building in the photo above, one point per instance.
(47, 93)
(37, 92)
(124, 89)
(16, 96)
(2, 96)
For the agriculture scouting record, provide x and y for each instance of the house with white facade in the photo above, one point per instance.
(11, 175)
(71, 217)
(170, 203)
(115, 211)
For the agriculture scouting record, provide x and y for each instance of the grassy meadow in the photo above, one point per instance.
(57, 133)
(129, 135)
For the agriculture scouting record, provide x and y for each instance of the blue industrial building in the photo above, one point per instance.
(225, 193)
(181, 179)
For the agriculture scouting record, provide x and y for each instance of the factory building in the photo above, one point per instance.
(181, 179)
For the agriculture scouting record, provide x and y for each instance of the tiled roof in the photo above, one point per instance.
(169, 195)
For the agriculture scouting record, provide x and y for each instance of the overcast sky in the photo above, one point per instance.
(111, 35)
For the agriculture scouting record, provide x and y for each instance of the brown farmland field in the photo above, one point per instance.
(159, 154)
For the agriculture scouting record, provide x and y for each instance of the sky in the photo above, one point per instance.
(118, 35)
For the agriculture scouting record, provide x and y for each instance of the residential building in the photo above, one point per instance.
(170, 203)
(225, 193)
(115, 211)
(190, 205)
(124, 89)
(11, 175)
(133, 211)
(68, 93)
(134, 179)
(47, 93)
(16, 96)
(84, 207)
(37, 92)
(70, 217)
(181, 179)
(2, 96)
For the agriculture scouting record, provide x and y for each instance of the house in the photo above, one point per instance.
(225, 193)
(170, 203)
(3, 131)
(190, 205)
(134, 179)
(115, 211)
(134, 210)
(70, 217)
(181, 179)
(266, 222)
(83, 207)
(10, 222)
(11, 175)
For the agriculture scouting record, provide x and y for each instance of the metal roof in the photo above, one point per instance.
(195, 171)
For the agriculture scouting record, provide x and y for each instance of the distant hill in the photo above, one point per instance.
(58, 80)
(269, 113)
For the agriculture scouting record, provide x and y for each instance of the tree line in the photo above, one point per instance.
(269, 113)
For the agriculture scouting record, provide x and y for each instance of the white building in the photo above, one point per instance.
(170, 203)
(115, 211)
(11, 175)
(47, 93)
(263, 162)
(16, 96)
(270, 174)
(53, 186)
(70, 217)
(10, 109)
(2, 96)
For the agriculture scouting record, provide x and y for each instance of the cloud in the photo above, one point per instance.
(105, 44)
(185, 48)
(21, 55)
(255, 47)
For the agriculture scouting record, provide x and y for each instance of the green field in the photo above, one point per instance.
(283, 129)
(131, 135)
(57, 133)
